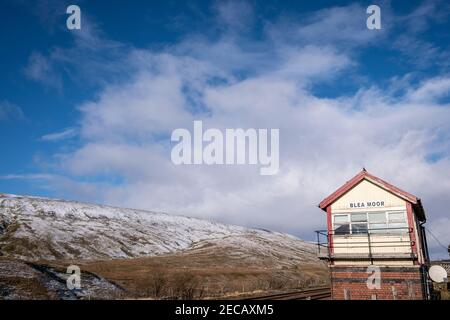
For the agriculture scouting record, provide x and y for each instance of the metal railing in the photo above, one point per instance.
(369, 244)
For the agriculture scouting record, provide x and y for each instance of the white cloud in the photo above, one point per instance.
(323, 143)
(91, 60)
(431, 90)
(67, 133)
(312, 61)
(343, 27)
(125, 131)
(415, 48)
(9, 111)
(234, 16)
(40, 69)
(59, 185)
(35, 176)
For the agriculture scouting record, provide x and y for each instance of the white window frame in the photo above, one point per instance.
(386, 221)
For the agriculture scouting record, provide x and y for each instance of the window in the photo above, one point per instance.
(359, 217)
(355, 223)
(359, 223)
(342, 229)
(341, 218)
(377, 217)
(377, 222)
(396, 215)
(341, 224)
(373, 222)
(397, 221)
(359, 228)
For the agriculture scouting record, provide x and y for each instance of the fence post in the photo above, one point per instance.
(318, 242)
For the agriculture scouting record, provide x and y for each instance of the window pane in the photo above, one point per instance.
(342, 229)
(359, 217)
(359, 228)
(377, 217)
(378, 228)
(402, 226)
(396, 216)
(341, 218)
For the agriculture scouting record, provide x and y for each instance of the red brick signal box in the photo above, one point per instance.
(375, 241)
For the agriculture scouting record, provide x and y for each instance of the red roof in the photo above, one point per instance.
(364, 175)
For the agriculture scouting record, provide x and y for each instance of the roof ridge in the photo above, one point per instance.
(364, 174)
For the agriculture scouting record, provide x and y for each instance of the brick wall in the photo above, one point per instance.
(397, 283)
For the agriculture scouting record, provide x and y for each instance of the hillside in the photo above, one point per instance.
(108, 241)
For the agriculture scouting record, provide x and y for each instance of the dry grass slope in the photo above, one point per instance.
(125, 253)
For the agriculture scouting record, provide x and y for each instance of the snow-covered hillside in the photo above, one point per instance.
(37, 228)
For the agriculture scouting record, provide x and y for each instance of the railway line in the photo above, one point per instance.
(307, 294)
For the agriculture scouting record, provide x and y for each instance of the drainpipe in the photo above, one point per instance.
(424, 242)
(424, 268)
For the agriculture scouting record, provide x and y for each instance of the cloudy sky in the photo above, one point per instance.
(87, 114)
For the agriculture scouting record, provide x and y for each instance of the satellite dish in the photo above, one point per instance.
(437, 274)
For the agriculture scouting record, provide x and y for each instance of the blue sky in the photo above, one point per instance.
(87, 114)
